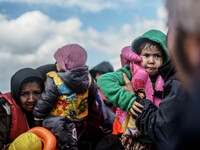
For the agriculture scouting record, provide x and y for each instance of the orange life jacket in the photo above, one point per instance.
(117, 127)
(47, 138)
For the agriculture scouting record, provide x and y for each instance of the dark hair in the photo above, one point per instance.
(141, 43)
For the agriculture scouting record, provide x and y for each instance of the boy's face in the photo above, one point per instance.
(152, 59)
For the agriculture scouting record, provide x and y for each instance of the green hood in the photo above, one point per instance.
(156, 36)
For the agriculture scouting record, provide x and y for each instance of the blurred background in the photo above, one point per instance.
(32, 30)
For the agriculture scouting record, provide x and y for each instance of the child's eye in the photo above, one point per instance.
(146, 55)
(157, 56)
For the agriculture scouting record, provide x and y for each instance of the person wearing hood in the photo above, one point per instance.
(67, 106)
(16, 107)
(151, 54)
(101, 68)
(96, 72)
(105, 108)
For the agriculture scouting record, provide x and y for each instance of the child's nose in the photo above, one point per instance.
(151, 59)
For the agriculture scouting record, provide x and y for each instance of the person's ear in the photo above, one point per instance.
(192, 51)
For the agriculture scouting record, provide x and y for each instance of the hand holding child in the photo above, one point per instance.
(135, 108)
(128, 87)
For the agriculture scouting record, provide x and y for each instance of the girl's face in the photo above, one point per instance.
(152, 59)
(30, 92)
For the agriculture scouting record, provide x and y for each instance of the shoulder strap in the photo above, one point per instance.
(58, 81)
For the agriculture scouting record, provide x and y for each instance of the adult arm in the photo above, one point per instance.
(111, 85)
(158, 124)
(136, 107)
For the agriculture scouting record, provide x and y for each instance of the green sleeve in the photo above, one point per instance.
(111, 85)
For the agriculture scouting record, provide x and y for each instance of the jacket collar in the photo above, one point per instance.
(167, 70)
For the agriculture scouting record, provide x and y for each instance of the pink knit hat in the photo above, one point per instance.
(71, 56)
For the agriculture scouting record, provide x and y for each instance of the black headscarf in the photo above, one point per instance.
(17, 80)
(103, 67)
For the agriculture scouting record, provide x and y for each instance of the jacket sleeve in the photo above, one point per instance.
(47, 99)
(158, 124)
(93, 89)
(93, 118)
(5, 119)
(111, 85)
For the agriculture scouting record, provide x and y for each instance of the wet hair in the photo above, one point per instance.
(141, 43)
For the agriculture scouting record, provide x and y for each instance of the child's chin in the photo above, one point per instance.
(29, 109)
(152, 73)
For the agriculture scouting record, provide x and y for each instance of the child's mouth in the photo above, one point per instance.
(151, 68)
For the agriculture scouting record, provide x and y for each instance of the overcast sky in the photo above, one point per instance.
(32, 30)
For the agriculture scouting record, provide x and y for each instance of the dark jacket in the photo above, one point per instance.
(78, 81)
(188, 124)
(159, 124)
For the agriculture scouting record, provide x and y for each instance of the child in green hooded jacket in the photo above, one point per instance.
(151, 48)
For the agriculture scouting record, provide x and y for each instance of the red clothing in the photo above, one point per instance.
(19, 123)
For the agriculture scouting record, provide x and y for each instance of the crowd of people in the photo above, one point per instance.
(150, 103)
